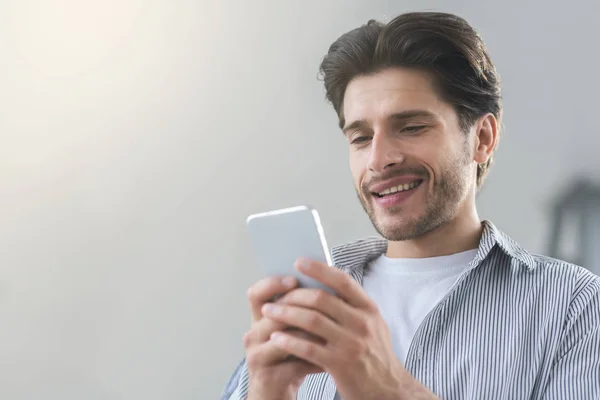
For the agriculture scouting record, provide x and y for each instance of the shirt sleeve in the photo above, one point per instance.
(575, 372)
(237, 385)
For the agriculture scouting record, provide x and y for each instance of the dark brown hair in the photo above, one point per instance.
(443, 44)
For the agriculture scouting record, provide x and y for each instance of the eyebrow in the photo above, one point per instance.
(400, 116)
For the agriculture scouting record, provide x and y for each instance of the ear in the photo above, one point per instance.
(486, 138)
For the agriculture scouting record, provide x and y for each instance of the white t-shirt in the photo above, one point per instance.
(407, 289)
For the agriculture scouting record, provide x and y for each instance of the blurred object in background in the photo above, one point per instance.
(575, 232)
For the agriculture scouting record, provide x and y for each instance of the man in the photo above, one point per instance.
(446, 306)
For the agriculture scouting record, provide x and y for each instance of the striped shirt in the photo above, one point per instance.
(514, 326)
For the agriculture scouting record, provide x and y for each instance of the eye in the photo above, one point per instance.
(359, 139)
(413, 128)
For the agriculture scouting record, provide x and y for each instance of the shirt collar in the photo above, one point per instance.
(354, 256)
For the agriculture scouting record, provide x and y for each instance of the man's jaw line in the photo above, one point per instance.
(461, 233)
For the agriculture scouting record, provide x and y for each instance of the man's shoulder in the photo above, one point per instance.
(542, 264)
(358, 252)
(555, 275)
(361, 245)
(574, 274)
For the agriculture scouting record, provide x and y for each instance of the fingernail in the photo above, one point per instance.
(277, 337)
(288, 282)
(302, 264)
(271, 309)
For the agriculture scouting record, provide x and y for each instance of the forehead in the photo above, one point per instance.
(391, 91)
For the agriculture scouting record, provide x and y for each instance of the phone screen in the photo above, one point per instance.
(280, 237)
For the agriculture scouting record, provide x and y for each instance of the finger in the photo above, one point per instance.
(265, 354)
(268, 353)
(327, 304)
(308, 351)
(306, 368)
(261, 332)
(297, 333)
(308, 320)
(265, 290)
(300, 334)
(340, 282)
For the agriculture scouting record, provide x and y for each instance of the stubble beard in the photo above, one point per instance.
(442, 204)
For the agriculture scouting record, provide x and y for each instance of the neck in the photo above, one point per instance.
(460, 234)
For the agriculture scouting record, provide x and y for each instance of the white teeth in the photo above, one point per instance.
(399, 188)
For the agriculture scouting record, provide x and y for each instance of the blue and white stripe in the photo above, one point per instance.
(514, 326)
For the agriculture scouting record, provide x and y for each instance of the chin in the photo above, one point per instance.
(397, 235)
(397, 230)
(404, 228)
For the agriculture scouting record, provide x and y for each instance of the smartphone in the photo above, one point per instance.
(280, 237)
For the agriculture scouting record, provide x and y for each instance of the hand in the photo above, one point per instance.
(356, 347)
(273, 374)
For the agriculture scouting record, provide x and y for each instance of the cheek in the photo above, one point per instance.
(432, 160)
(448, 165)
(435, 165)
(357, 169)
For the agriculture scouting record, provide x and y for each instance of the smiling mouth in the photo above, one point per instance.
(400, 188)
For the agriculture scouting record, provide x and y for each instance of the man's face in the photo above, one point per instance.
(411, 162)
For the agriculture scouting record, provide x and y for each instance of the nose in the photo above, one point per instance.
(384, 153)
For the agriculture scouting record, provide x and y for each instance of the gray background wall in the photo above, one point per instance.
(136, 136)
